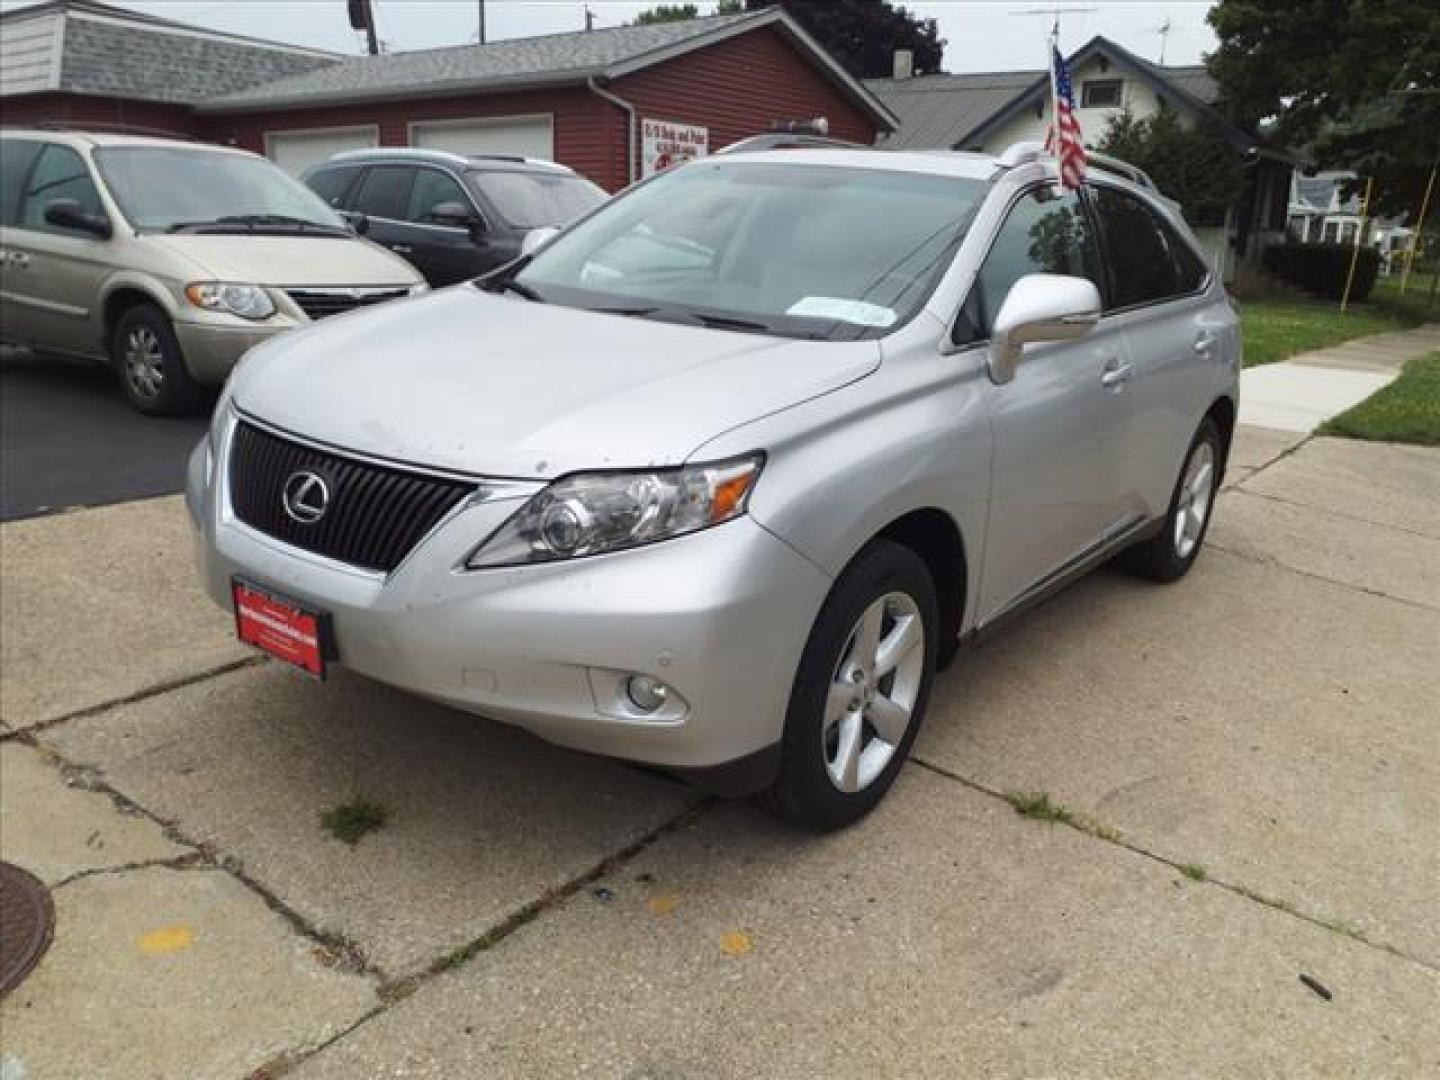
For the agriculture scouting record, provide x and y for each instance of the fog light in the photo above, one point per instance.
(646, 693)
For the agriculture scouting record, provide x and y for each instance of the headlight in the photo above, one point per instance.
(591, 513)
(247, 301)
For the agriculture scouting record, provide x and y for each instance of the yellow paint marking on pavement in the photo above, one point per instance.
(663, 903)
(168, 939)
(736, 943)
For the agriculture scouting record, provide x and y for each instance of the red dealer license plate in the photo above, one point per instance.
(281, 628)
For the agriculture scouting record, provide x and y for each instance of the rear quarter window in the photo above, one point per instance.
(16, 157)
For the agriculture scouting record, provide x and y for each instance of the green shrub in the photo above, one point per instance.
(1322, 269)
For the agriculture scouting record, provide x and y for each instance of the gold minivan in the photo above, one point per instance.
(169, 259)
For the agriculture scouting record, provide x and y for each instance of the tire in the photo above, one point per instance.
(1169, 554)
(151, 368)
(820, 786)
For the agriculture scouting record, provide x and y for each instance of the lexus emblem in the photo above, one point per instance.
(306, 496)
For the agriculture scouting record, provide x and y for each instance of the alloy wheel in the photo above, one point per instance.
(144, 362)
(1196, 492)
(873, 692)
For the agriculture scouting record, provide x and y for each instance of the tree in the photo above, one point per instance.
(667, 13)
(1357, 84)
(1193, 165)
(863, 35)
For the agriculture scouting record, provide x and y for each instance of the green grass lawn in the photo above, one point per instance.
(1277, 328)
(1408, 410)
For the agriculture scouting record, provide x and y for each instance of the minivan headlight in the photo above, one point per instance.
(592, 513)
(247, 301)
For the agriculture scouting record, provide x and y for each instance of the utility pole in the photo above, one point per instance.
(482, 22)
(362, 17)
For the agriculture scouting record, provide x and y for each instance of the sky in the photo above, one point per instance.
(981, 35)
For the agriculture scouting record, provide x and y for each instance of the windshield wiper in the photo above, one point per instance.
(687, 317)
(503, 280)
(250, 222)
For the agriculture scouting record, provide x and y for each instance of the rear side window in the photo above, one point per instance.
(1047, 232)
(385, 191)
(333, 184)
(60, 173)
(1148, 262)
(16, 157)
(431, 188)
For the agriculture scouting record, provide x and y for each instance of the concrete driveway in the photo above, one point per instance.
(1249, 762)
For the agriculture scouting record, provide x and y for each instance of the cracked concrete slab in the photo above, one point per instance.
(1256, 447)
(1329, 545)
(944, 937)
(1274, 728)
(1383, 483)
(57, 831)
(172, 973)
(483, 818)
(99, 605)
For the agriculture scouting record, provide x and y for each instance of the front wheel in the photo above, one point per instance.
(860, 691)
(1170, 553)
(147, 358)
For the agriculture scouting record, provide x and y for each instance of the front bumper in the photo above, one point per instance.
(212, 349)
(721, 616)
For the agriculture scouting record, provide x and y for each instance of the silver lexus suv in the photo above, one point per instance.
(718, 477)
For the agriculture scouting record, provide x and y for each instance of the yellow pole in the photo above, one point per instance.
(1359, 237)
(1419, 225)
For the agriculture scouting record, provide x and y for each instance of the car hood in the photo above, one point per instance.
(291, 261)
(496, 385)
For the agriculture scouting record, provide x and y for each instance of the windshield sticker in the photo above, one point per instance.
(858, 312)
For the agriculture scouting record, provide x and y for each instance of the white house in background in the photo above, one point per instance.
(988, 112)
(1322, 212)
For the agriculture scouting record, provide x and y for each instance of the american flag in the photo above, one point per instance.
(1071, 150)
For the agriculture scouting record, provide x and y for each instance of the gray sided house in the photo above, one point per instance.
(988, 112)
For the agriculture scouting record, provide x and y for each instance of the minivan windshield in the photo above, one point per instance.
(530, 200)
(808, 250)
(180, 189)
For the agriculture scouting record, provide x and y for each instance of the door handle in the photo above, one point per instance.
(1116, 375)
(1204, 343)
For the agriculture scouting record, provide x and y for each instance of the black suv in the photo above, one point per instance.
(454, 217)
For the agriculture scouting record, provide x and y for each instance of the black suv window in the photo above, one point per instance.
(16, 157)
(332, 184)
(1148, 261)
(384, 191)
(431, 188)
(59, 174)
(1047, 232)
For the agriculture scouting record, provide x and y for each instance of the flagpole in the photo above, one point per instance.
(1419, 228)
(1359, 239)
(1054, 90)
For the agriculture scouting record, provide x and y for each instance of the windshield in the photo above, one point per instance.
(535, 200)
(169, 188)
(804, 249)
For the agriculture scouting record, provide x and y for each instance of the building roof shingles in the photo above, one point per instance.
(520, 61)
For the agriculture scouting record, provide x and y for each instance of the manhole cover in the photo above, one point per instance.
(27, 918)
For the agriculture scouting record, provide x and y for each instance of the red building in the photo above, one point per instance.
(613, 104)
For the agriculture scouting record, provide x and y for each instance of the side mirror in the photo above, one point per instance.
(453, 213)
(535, 239)
(359, 223)
(69, 214)
(1040, 307)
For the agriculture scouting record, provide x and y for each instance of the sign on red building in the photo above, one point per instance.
(665, 144)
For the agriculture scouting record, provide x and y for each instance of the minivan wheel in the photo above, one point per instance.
(150, 365)
(1169, 554)
(860, 692)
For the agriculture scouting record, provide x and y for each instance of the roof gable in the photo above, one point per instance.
(1182, 91)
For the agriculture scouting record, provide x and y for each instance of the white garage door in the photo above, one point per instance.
(296, 151)
(521, 136)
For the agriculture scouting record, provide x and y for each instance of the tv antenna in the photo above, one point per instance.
(1164, 31)
(1054, 13)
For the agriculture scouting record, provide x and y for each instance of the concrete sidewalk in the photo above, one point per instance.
(1303, 392)
(1248, 760)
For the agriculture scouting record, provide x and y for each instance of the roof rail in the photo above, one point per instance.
(101, 127)
(402, 151)
(788, 140)
(1023, 153)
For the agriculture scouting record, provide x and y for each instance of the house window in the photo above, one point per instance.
(1101, 93)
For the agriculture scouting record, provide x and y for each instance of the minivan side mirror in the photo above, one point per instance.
(1040, 307)
(69, 214)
